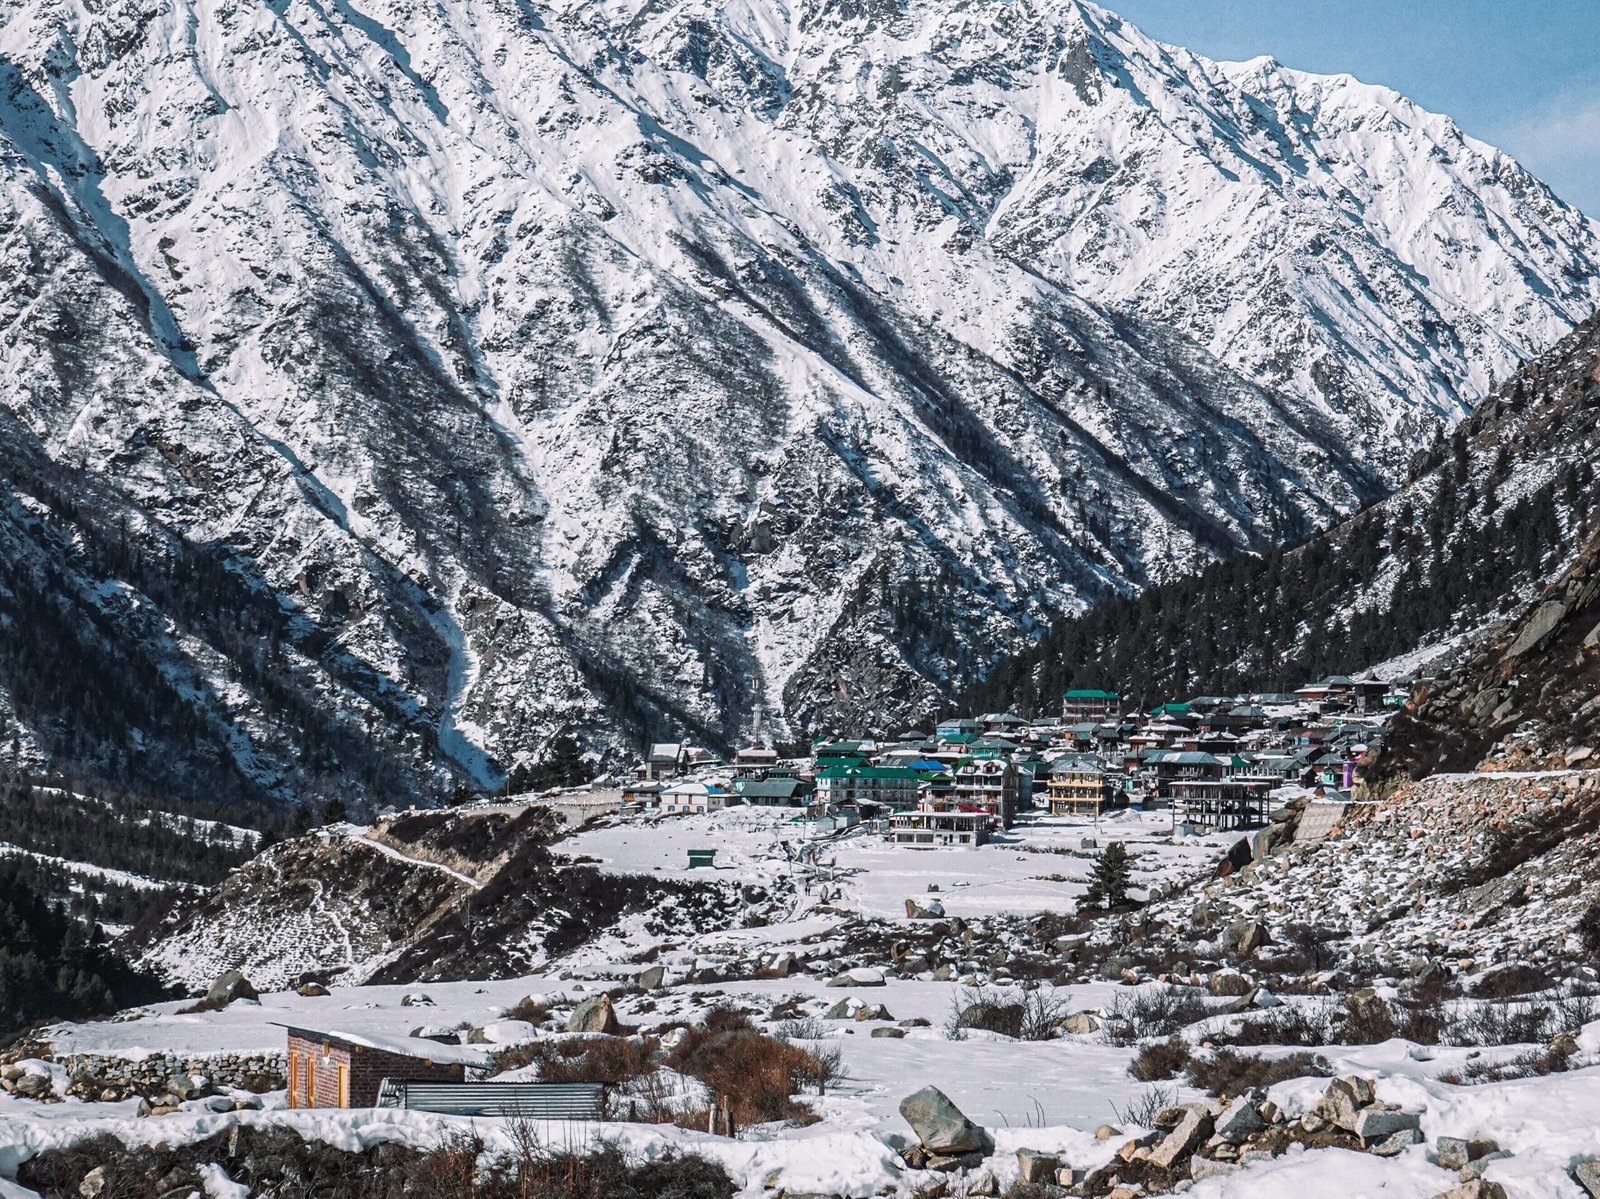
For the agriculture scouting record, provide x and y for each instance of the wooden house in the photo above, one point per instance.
(342, 1069)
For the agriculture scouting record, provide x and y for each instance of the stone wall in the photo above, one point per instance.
(191, 1076)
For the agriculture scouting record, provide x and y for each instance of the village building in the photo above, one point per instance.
(1079, 786)
(754, 761)
(935, 828)
(988, 782)
(892, 787)
(1081, 705)
(342, 1069)
(665, 760)
(695, 798)
(773, 792)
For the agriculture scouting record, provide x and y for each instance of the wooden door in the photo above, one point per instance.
(344, 1086)
(294, 1079)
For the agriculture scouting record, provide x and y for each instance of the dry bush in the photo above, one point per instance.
(759, 1075)
(1139, 1015)
(1035, 1015)
(1291, 1024)
(1227, 1072)
(202, 1005)
(1511, 981)
(611, 1061)
(1533, 1064)
(1142, 1112)
(534, 1011)
(1160, 1060)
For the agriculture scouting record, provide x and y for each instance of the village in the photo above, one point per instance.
(1215, 763)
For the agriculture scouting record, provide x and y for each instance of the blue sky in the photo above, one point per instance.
(1521, 74)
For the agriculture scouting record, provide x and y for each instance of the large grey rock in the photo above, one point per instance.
(1455, 1152)
(861, 976)
(1476, 1167)
(940, 1124)
(1238, 1122)
(1587, 1175)
(229, 986)
(1396, 1143)
(1476, 1189)
(1540, 625)
(1183, 1140)
(1036, 1167)
(1377, 1124)
(650, 979)
(594, 1015)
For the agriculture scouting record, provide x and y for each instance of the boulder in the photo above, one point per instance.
(1201, 1168)
(861, 976)
(1587, 1175)
(1377, 1124)
(932, 910)
(1036, 1167)
(1453, 1153)
(1238, 1122)
(872, 1011)
(311, 990)
(1540, 625)
(1230, 983)
(1081, 1023)
(1251, 938)
(34, 1086)
(940, 1124)
(886, 1031)
(594, 1015)
(504, 1032)
(93, 1184)
(1476, 1189)
(1183, 1140)
(229, 986)
(412, 999)
(1475, 1168)
(649, 980)
(1396, 1143)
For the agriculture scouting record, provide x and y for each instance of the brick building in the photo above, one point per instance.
(339, 1069)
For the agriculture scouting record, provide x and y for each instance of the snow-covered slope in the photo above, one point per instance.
(389, 386)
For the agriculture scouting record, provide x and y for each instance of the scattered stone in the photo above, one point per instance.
(861, 976)
(1036, 1167)
(1397, 1143)
(985, 1186)
(1477, 1189)
(1454, 1153)
(1201, 1168)
(1376, 1124)
(1474, 1169)
(93, 1183)
(1587, 1175)
(1182, 1140)
(932, 910)
(1236, 1124)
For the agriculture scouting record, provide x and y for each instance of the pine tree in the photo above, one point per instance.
(1108, 885)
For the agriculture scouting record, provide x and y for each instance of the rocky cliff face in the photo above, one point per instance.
(389, 387)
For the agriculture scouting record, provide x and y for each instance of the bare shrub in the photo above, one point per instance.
(534, 1011)
(1291, 1024)
(1142, 1111)
(1152, 1012)
(1533, 1064)
(803, 1028)
(1511, 981)
(759, 1075)
(1160, 1060)
(1228, 1072)
(611, 1061)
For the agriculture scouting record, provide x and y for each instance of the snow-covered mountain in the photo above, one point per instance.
(387, 386)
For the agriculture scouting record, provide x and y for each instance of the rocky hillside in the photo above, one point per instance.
(389, 390)
(1487, 518)
(442, 895)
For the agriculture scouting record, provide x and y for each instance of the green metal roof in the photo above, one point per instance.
(868, 772)
(1091, 695)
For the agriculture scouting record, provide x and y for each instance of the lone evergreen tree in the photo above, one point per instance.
(1108, 885)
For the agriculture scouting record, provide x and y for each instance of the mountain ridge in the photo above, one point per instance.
(722, 371)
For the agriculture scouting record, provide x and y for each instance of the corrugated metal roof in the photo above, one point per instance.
(528, 1100)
